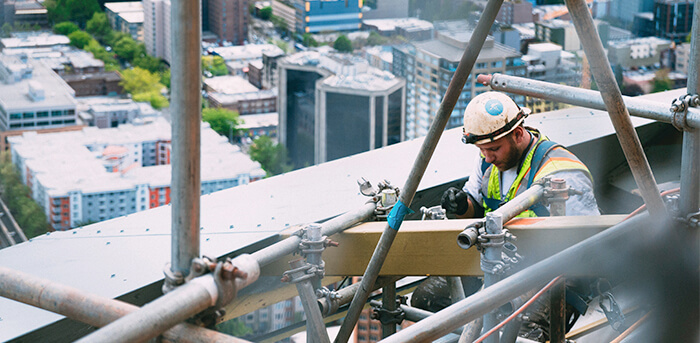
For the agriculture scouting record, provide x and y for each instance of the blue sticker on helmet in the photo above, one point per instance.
(494, 107)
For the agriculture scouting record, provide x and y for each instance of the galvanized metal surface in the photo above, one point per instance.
(91, 309)
(422, 160)
(636, 106)
(185, 33)
(602, 72)
(315, 327)
(690, 159)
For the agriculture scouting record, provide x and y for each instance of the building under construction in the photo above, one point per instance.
(175, 271)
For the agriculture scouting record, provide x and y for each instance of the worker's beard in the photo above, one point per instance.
(512, 158)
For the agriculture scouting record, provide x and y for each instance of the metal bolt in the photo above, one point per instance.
(285, 278)
(331, 243)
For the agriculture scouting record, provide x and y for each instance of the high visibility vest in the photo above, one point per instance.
(545, 158)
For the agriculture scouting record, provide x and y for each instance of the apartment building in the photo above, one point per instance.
(126, 17)
(156, 28)
(98, 174)
(327, 15)
(229, 19)
(428, 67)
(32, 96)
(237, 94)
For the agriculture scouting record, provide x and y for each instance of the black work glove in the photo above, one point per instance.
(455, 201)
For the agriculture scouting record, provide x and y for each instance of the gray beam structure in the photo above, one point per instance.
(582, 97)
(690, 159)
(601, 251)
(185, 33)
(421, 163)
(609, 90)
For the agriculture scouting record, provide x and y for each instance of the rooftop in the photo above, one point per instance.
(132, 17)
(126, 6)
(224, 98)
(542, 47)
(70, 160)
(31, 41)
(259, 120)
(640, 41)
(450, 46)
(83, 59)
(229, 84)
(245, 52)
(393, 24)
(14, 97)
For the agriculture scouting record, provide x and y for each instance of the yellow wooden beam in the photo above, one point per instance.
(430, 247)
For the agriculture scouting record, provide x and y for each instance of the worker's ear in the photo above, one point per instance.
(518, 133)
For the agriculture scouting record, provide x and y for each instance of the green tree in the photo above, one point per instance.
(100, 53)
(266, 13)
(215, 65)
(308, 40)
(28, 214)
(375, 39)
(235, 328)
(343, 44)
(165, 78)
(80, 39)
(6, 30)
(150, 63)
(661, 81)
(98, 25)
(137, 80)
(65, 28)
(126, 48)
(273, 157)
(79, 11)
(156, 99)
(224, 122)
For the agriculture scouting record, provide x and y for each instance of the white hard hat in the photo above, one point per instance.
(490, 116)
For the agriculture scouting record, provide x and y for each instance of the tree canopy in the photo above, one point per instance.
(79, 39)
(308, 40)
(144, 86)
(29, 215)
(266, 13)
(126, 48)
(273, 157)
(224, 122)
(79, 11)
(98, 26)
(65, 28)
(343, 44)
(215, 65)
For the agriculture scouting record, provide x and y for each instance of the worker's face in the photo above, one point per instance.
(502, 153)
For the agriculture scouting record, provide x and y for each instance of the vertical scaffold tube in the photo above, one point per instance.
(421, 163)
(186, 109)
(690, 159)
(602, 72)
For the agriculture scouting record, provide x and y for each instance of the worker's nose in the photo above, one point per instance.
(489, 158)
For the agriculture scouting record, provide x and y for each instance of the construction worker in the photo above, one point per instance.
(512, 157)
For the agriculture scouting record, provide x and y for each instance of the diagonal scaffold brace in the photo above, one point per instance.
(464, 68)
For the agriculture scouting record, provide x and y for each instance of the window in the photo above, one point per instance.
(42, 114)
(56, 113)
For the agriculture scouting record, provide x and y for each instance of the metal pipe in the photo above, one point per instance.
(413, 314)
(88, 308)
(557, 315)
(389, 303)
(344, 296)
(509, 210)
(600, 251)
(186, 133)
(491, 253)
(289, 245)
(161, 314)
(582, 97)
(421, 163)
(315, 327)
(690, 157)
(602, 72)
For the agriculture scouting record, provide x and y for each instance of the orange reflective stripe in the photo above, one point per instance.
(556, 164)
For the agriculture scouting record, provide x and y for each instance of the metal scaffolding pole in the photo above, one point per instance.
(315, 327)
(185, 33)
(602, 72)
(582, 97)
(601, 250)
(421, 163)
(413, 314)
(690, 158)
(91, 309)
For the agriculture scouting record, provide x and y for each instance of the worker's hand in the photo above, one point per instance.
(455, 201)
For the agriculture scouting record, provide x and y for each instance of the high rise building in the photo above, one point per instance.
(673, 19)
(228, 19)
(156, 28)
(515, 12)
(328, 15)
(428, 67)
(335, 105)
(126, 17)
(626, 9)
